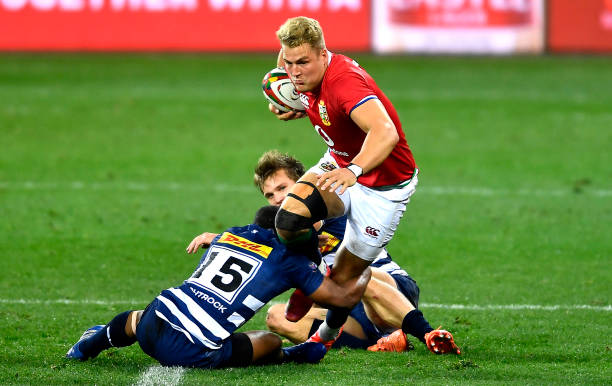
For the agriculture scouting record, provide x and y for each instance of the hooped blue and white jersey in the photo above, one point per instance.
(383, 261)
(243, 269)
(334, 228)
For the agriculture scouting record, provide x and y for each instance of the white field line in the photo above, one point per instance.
(469, 307)
(160, 375)
(225, 188)
(513, 307)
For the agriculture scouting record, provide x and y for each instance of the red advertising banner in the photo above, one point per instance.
(174, 25)
(458, 26)
(580, 26)
(460, 13)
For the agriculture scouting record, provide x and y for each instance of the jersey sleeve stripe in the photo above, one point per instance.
(237, 319)
(253, 303)
(364, 100)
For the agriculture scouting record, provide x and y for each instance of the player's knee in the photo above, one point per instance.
(289, 223)
(289, 220)
(275, 318)
(314, 202)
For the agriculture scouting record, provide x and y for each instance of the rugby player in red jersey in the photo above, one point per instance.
(368, 172)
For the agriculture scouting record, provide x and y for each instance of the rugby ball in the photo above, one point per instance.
(280, 91)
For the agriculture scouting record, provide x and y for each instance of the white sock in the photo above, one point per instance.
(327, 333)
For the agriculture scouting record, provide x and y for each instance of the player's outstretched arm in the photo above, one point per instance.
(202, 240)
(332, 294)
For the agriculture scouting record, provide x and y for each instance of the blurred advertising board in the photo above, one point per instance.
(174, 25)
(458, 26)
(580, 26)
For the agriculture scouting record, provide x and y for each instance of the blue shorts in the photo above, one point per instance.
(407, 286)
(170, 347)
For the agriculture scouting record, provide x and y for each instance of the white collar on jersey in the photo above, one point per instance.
(329, 56)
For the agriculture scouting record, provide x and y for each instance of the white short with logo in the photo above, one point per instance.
(373, 215)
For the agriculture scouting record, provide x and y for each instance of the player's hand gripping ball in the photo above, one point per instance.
(280, 91)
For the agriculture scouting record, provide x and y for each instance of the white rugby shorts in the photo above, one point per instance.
(373, 215)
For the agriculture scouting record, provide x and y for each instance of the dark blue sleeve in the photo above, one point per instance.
(335, 226)
(303, 273)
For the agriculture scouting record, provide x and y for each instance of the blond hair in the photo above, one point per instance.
(299, 30)
(271, 162)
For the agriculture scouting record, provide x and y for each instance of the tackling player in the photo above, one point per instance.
(389, 296)
(368, 172)
(194, 325)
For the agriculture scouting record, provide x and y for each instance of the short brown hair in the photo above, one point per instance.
(299, 30)
(272, 161)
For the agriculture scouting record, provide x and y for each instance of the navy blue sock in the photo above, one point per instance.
(112, 335)
(414, 323)
(336, 317)
(117, 335)
(96, 344)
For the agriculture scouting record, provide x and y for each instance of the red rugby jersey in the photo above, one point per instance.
(345, 86)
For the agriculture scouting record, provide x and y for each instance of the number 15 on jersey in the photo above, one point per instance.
(225, 272)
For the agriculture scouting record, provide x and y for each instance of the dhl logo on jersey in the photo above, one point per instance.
(331, 243)
(262, 250)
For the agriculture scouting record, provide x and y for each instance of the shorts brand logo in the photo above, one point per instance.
(305, 101)
(372, 231)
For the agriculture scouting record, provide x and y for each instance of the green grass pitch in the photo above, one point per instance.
(111, 164)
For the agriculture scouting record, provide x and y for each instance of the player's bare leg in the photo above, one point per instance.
(266, 347)
(304, 205)
(346, 267)
(384, 307)
(296, 332)
(383, 303)
(132, 322)
(299, 332)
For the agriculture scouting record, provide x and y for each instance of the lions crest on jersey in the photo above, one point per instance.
(323, 113)
(327, 166)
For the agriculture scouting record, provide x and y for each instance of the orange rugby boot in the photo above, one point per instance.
(441, 342)
(396, 341)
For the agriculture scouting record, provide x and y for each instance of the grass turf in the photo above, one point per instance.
(112, 163)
